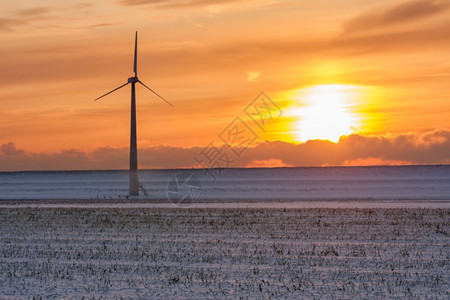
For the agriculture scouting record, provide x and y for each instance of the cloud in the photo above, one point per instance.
(97, 25)
(429, 148)
(7, 24)
(82, 5)
(41, 16)
(268, 163)
(253, 76)
(401, 13)
(177, 3)
(10, 149)
(22, 17)
(374, 161)
(12, 159)
(32, 12)
(234, 56)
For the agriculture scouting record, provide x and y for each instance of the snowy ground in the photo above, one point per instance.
(211, 252)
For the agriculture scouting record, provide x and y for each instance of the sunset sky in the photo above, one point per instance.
(353, 82)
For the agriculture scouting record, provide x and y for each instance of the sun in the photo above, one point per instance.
(326, 112)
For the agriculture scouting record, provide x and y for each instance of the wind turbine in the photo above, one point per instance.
(134, 181)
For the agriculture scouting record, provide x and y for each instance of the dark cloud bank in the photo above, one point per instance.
(429, 148)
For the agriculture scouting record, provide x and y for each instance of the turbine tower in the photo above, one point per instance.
(134, 181)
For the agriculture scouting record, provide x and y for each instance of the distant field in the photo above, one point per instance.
(223, 252)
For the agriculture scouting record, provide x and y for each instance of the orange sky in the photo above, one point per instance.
(383, 63)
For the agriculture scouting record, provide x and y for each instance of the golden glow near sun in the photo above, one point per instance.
(326, 112)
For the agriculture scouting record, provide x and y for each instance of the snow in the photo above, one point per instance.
(211, 251)
(375, 232)
(294, 204)
(334, 183)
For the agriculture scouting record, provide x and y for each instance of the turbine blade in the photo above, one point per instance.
(111, 91)
(155, 93)
(135, 56)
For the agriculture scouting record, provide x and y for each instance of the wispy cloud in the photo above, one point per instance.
(7, 24)
(97, 25)
(34, 15)
(32, 12)
(177, 3)
(23, 16)
(236, 55)
(253, 76)
(398, 14)
(428, 148)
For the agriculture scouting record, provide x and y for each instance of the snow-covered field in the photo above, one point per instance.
(235, 185)
(151, 252)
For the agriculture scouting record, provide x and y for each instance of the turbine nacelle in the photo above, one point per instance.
(133, 79)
